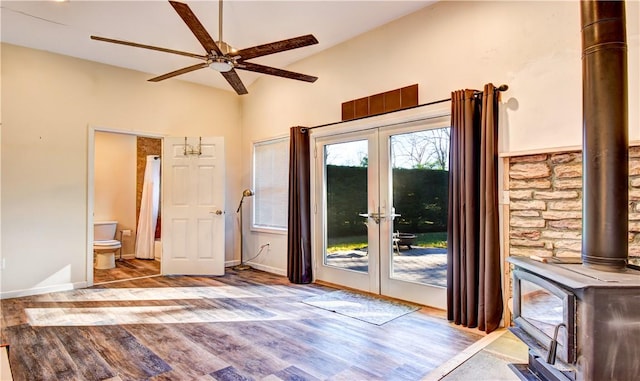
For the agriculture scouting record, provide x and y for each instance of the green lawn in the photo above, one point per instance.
(438, 239)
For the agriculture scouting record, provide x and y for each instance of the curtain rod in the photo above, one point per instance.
(476, 92)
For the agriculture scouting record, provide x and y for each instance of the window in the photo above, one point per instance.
(270, 183)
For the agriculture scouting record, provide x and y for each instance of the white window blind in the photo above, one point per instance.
(271, 183)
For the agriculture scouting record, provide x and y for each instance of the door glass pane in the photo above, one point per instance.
(346, 198)
(419, 183)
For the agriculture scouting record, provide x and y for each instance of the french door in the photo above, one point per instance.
(381, 210)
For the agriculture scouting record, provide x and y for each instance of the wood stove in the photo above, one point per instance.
(581, 320)
(591, 317)
(546, 312)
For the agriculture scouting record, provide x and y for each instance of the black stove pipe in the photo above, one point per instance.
(605, 154)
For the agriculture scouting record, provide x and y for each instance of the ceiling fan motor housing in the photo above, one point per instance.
(225, 48)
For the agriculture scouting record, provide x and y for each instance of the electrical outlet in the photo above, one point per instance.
(3, 264)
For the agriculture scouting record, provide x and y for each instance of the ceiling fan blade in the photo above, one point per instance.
(184, 70)
(196, 27)
(136, 45)
(273, 71)
(275, 47)
(234, 80)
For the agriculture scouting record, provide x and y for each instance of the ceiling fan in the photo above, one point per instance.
(220, 56)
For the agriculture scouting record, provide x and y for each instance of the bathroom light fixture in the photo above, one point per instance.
(242, 266)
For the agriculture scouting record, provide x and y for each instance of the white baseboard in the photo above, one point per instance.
(42, 290)
(269, 269)
(257, 266)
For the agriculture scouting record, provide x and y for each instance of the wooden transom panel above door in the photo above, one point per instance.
(376, 104)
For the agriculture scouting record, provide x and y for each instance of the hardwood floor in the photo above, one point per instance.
(127, 269)
(244, 326)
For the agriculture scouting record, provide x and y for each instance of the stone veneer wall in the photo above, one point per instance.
(545, 210)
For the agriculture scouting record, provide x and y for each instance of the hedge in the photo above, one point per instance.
(420, 197)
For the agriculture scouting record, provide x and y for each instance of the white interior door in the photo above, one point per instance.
(193, 206)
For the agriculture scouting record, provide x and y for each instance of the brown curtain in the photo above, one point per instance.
(299, 229)
(474, 285)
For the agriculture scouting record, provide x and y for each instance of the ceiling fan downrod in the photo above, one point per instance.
(224, 47)
(222, 63)
(220, 21)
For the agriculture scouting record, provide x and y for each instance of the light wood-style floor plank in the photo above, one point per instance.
(246, 325)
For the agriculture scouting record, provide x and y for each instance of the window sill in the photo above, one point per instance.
(279, 231)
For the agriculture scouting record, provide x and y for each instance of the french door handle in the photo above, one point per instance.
(375, 216)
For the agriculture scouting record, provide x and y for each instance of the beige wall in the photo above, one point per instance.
(49, 100)
(114, 181)
(48, 103)
(534, 47)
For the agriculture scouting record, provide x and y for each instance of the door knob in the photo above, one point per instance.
(217, 212)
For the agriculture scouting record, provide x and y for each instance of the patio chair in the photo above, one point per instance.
(395, 237)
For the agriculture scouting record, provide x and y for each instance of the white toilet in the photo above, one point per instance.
(105, 245)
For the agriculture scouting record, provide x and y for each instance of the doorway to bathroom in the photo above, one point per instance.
(126, 206)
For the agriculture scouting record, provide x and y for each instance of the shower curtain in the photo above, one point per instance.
(145, 235)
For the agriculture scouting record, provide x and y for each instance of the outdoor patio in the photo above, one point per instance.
(426, 265)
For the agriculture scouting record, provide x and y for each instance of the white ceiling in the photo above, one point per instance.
(65, 27)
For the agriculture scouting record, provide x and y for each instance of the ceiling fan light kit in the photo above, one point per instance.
(222, 64)
(221, 57)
